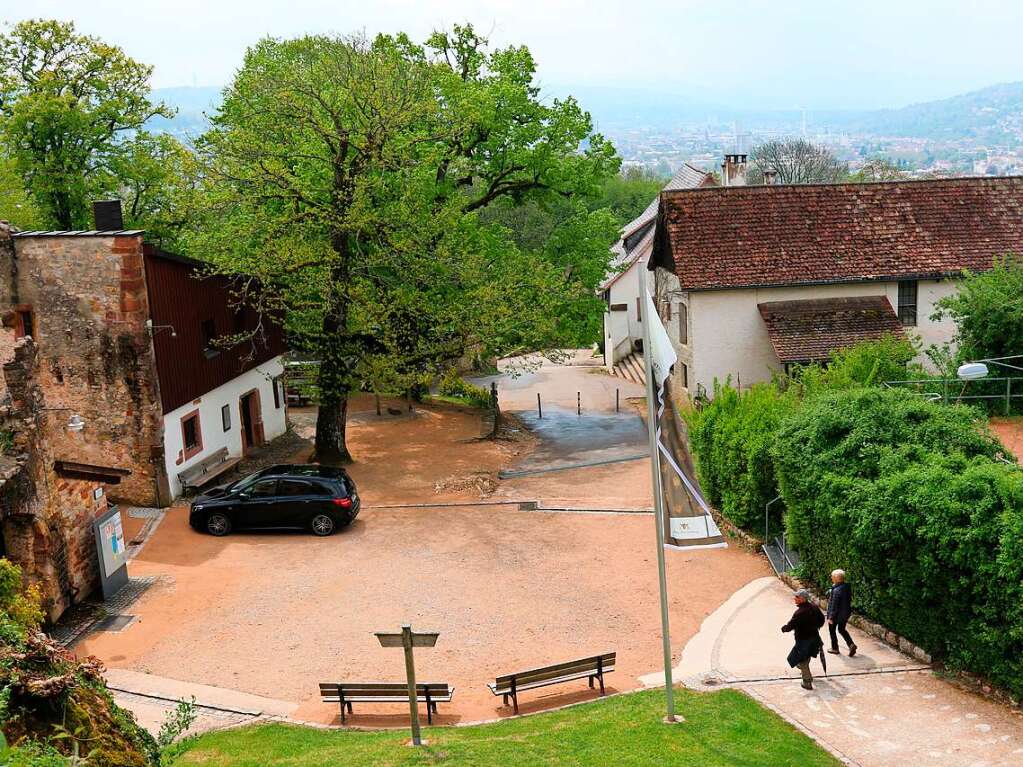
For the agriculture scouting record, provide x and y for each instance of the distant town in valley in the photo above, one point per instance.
(974, 134)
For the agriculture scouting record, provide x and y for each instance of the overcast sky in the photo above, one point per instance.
(757, 53)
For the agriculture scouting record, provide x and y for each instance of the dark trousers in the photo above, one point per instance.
(837, 628)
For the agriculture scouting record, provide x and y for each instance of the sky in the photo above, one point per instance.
(757, 54)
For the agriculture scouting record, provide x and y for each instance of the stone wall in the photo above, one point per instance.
(89, 302)
(45, 519)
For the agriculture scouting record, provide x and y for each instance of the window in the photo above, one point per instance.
(225, 417)
(278, 386)
(297, 487)
(639, 310)
(907, 302)
(667, 311)
(265, 489)
(191, 434)
(24, 323)
(209, 335)
(685, 376)
(683, 323)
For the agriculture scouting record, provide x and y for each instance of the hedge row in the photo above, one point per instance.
(910, 498)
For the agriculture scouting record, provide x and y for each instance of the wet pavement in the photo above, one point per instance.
(568, 439)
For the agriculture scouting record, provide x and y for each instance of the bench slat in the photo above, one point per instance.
(503, 689)
(569, 667)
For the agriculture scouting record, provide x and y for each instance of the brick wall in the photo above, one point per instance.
(88, 298)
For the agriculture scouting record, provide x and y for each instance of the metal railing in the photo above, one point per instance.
(956, 390)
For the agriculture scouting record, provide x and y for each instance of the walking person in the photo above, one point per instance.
(839, 612)
(805, 624)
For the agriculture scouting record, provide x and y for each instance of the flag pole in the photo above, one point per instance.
(655, 470)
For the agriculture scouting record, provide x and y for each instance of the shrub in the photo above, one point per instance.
(869, 363)
(453, 385)
(903, 493)
(731, 439)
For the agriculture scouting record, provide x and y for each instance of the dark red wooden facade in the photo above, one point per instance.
(182, 298)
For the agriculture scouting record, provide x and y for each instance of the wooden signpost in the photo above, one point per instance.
(408, 639)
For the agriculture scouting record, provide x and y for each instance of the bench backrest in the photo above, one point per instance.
(397, 690)
(198, 469)
(604, 662)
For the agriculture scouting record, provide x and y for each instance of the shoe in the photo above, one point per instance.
(834, 651)
(852, 650)
(807, 685)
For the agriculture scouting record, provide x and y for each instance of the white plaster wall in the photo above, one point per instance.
(213, 435)
(728, 337)
(619, 326)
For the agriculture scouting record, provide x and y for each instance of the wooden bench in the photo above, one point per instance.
(211, 466)
(347, 693)
(593, 668)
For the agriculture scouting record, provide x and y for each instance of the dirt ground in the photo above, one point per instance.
(1010, 431)
(274, 614)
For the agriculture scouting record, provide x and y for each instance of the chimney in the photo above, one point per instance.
(733, 170)
(770, 176)
(107, 215)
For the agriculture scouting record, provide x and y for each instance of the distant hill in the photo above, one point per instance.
(192, 104)
(993, 114)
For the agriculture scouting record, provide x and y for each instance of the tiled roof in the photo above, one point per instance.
(687, 177)
(729, 237)
(809, 330)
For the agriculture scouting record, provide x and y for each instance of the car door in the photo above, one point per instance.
(296, 502)
(256, 504)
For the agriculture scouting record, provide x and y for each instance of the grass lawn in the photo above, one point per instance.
(722, 728)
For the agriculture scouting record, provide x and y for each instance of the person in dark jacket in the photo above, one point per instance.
(805, 625)
(839, 612)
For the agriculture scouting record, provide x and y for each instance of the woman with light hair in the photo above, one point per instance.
(839, 612)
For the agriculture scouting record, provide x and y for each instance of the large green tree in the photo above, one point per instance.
(71, 108)
(346, 177)
(988, 311)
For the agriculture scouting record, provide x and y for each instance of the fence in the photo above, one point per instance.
(956, 390)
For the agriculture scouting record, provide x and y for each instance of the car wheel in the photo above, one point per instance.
(218, 524)
(322, 525)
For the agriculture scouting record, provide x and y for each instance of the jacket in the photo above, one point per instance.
(805, 623)
(840, 603)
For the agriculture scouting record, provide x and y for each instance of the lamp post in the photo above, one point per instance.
(976, 370)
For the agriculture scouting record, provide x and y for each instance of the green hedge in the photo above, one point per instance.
(453, 385)
(731, 438)
(906, 496)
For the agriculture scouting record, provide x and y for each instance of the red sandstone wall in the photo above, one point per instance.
(88, 295)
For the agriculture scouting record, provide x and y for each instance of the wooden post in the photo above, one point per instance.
(410, 672)
(1008, 396)
(539, 408)
(617, 393)
(578, 403)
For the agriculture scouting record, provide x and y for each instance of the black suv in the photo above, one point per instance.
(304, 496)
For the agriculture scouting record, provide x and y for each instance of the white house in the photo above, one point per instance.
(623, 316)
(760, 277)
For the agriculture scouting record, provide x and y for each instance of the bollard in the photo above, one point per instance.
(616, 399)
(539, 409)
(578, 403)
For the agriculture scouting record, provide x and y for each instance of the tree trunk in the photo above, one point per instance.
(334, 376)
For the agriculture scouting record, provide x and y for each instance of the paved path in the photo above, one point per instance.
(879, 709)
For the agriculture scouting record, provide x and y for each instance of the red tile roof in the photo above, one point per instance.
(731, 237)
(808, 331)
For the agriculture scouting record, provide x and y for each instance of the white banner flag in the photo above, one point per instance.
(688, 522)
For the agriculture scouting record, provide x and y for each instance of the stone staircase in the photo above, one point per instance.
(631, 368)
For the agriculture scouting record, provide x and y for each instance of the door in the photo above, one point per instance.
(297, 502)
(256, 505)
(252, 420)
(248, 427)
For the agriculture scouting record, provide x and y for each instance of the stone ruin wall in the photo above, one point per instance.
(88, 296)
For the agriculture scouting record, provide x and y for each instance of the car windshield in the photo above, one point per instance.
(245, 482)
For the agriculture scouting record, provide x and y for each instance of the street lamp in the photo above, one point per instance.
(972, 371)
(74, 423)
